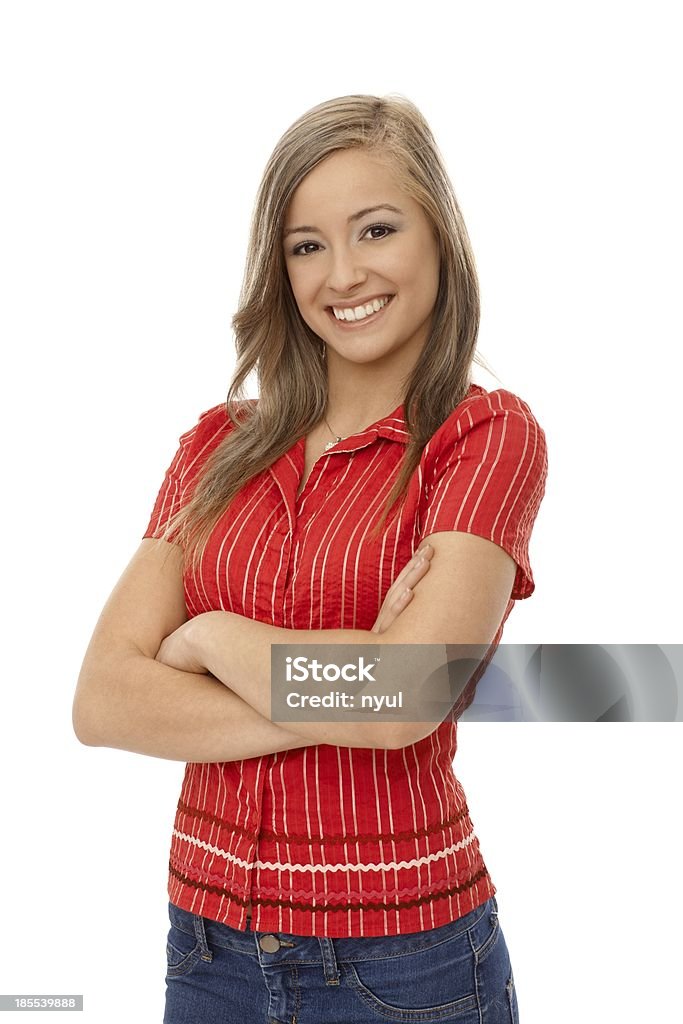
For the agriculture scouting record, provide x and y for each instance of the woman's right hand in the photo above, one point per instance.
(400, 593)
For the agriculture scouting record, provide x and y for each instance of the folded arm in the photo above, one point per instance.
(461, 601)
(126, 699)
(236, 650)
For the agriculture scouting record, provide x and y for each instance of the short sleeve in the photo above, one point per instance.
(194, 447)
(487, 476)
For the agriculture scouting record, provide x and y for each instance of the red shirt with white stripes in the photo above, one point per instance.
(328, 840)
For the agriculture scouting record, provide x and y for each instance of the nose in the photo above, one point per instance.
(345, 271)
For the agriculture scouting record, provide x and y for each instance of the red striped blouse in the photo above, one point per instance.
(327, 840)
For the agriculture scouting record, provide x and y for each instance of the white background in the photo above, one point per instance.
(134, 136)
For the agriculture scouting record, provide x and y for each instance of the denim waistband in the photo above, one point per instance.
(313, 949)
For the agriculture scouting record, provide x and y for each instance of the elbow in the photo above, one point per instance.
(82, 720)
(406, 733)
(85, 737)
(397, 740)
(88, 712)
(396, 735)
(102, 711)
(81, 731)
(415, 680)
(403, 734)
(106, 708)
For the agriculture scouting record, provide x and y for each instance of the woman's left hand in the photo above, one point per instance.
(400, 593)
(180, 650)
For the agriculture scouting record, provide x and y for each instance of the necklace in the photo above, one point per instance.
(336, 437)
(331, 444)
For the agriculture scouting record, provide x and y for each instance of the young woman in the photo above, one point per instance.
(329, 870)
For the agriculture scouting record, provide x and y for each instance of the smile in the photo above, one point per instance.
(352, 319)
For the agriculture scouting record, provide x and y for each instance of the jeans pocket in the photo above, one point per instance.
(179, 958)
(186, 943)
(431, 984)
(485, 933)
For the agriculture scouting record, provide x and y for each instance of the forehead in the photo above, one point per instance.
(346, 181)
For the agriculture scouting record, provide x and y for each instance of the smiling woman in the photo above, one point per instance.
(367, 289)
(299, 518)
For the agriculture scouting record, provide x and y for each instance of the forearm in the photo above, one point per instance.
(141, 705)
(236, 650)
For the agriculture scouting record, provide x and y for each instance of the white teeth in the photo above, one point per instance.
(360, 312)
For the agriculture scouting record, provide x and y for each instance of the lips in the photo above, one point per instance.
(346, 325)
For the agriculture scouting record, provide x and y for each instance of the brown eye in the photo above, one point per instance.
(297, 250)
(380, 227)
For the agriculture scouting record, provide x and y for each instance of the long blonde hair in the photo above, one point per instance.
(272, 338)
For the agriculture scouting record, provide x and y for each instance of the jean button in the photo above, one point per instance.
(269, 944)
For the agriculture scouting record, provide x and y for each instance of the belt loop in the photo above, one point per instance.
(200, 932)
(330, 968)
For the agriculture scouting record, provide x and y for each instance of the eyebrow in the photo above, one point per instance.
(354, 216)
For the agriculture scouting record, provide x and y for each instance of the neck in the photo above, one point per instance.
(362, 393)
(348, 412)
(350, 421)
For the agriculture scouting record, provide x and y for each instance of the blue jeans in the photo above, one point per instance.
(458, 972)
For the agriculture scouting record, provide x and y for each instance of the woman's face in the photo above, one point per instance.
(342, 255)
